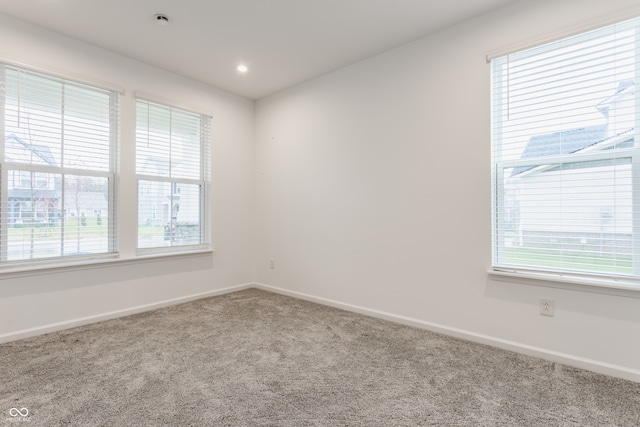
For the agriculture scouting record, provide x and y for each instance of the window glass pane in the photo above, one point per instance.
(168, 214)
(583, 224)
(186, 141)
(57, 216)
(564, 152)
(53, 128)
(44, 115)
(153, 139)
(154, 213)
(33, 215)
(86, 129)
(172, 145)
(168, 142)
(86, 210)
(33, 119)
(563, 98)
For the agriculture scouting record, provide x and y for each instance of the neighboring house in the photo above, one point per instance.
(29, 201)
(38, 198)
(162, 202)
(159, 202)
(19, 151)
(87, 203)
(541, 201)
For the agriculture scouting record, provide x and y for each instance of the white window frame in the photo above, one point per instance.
(627, 285)
(111, 175)
(204, 183)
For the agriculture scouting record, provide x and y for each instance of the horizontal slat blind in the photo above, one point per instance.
(59, 141)
(171, 163)
(566, 192)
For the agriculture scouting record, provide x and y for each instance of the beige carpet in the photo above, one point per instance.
(254, 358)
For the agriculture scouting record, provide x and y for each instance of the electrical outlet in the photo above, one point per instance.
(272, 264)
(547, 307)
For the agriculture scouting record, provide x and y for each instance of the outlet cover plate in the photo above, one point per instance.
(547, 307)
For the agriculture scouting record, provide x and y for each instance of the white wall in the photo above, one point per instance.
(373, 192)
(33, 303)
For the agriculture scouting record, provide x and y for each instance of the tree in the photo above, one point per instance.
(74, 187)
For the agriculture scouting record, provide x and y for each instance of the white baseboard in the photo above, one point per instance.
(553, 356)
(53, 327)
(566, 359)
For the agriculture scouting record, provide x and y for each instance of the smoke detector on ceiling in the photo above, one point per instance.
(162, 19)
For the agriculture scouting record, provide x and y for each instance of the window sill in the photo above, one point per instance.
(608, 286)
(63, 267)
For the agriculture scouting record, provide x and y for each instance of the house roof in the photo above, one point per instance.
(578, 139)
(86, 200)
(563, 142)
(37, 194)
(42, 151)
(625, 86)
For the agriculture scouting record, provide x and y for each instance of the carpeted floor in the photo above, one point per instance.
(253, 358)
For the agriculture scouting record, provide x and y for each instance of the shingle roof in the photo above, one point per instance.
(42, 151)
(563, 142)
(574, 140)
(37, 194)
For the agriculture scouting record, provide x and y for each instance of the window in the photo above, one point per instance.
(58, 142)
(172, 165)
(565, 155)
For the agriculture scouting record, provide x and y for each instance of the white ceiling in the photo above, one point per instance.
(283, 42)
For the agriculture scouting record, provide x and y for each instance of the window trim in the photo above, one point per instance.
(88, 263)
(600, 285)
(602, 21)
(65, 75)
(614, 284)
(111, 174)
(204, 182)
(144, 96)
(130, 255)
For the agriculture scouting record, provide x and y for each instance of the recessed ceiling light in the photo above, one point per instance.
(162, 19)
(242, 68)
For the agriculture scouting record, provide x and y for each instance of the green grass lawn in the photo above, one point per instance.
(150, 230)
(567, 260)
(89, 229)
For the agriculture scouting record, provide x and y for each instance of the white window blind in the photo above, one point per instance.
(58, 142)
(172, 165)
(565, 157)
